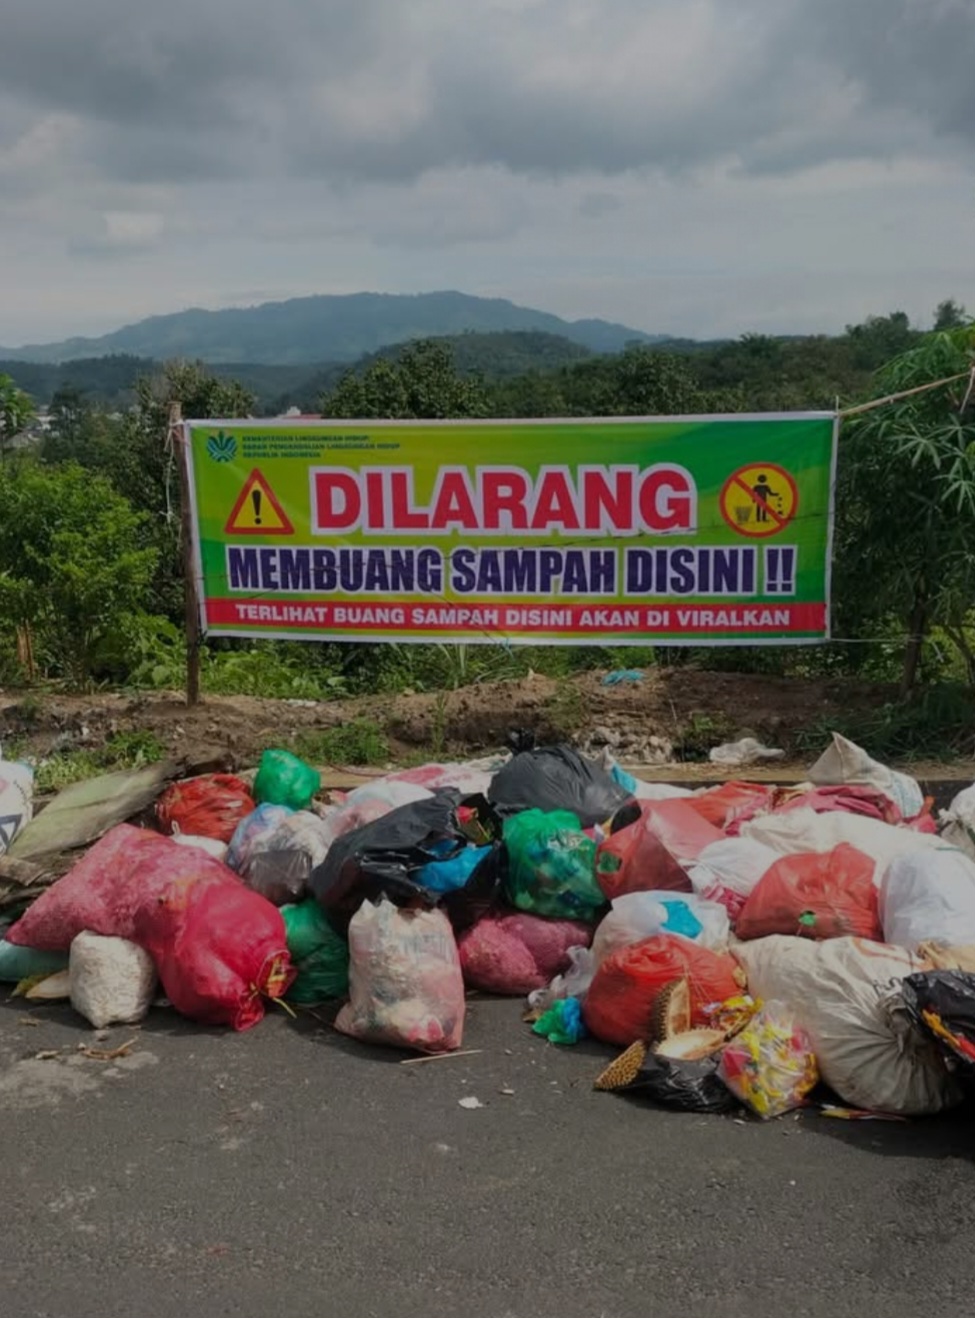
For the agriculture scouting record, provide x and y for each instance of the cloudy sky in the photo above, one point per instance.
(700, 167)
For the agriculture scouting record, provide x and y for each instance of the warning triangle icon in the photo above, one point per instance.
(257, 510)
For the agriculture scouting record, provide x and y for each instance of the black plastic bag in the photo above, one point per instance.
(381, 859)
(557, 778)
(942, 1003)
(688, 1086)
(281, 875)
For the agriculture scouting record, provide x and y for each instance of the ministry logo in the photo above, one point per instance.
(222, 447)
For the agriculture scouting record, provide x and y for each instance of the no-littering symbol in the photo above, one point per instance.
(759, 500)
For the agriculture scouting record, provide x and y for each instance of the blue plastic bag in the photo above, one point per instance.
(449, 875)
(680, 918)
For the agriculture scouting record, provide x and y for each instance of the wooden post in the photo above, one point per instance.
(176, 438)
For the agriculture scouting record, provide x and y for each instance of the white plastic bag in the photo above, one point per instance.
(16, 800)
(958, 822)
(802, 830)
(928, 897)
(211, 845)
(738, 754)
(639, 915)
(735, 863)
(368, 803)
(845, 762)
(387, 791)
(573, 983)
(111, 980)
(660, 791)
(405, 983)
(845, 993)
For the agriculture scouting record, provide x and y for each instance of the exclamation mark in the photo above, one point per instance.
(780, 570)
(256, 501)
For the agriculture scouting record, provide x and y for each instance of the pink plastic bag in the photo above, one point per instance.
(515, 954)
(405, 982)
(855, 799)
(217, 946)
(129, 868)
(648, 853)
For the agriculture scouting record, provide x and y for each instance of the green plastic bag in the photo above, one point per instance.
(320, 955)
(552, 866)
(283, 779)
(562, 1023)
(17, 963)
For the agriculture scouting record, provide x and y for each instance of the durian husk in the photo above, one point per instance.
(624, 1070)
(671, 1012)
(691, 1045)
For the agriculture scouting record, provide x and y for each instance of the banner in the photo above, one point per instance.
(710, 530)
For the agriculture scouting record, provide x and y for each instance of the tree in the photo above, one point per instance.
(880, 338)
(79, 432)
(950, 315)
(73, 570)
(421, 383)
(16, 413)
(906, 502)
(134, 453)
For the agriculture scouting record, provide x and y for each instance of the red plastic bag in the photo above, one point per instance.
(220, 949)
(515, 954)
(732, 803)
(646, 855)
(817, 895)
(216, 944)
(211, 806)
(619, 1005)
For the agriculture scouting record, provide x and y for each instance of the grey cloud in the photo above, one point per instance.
(378, 89)
(915, 56)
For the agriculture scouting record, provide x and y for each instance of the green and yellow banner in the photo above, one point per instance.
(678, 531)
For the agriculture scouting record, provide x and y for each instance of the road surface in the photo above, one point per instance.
(289, 1171)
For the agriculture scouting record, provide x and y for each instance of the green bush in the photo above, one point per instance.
(70, 570)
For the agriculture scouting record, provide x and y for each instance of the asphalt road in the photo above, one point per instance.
(291, 1172)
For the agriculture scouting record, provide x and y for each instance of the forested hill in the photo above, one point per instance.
(534, 373)
(309, 330)
(110, 381)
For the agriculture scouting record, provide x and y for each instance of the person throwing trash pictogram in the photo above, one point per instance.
(763, 492)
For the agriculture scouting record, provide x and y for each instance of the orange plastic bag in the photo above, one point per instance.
(732, 802)
(619, 1005)
(816, 895)
(211, 806)
(646, 855)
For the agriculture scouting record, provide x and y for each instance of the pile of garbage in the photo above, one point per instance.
(743, 945)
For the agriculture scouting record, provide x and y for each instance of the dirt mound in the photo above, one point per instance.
(669, 713)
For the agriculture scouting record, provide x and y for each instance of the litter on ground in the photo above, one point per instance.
(744, 950)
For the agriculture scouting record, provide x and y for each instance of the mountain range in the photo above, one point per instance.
(325, 328)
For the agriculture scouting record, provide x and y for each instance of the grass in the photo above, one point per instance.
(360, 741)
(126, 750)
(935, 724)
(694, 739)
